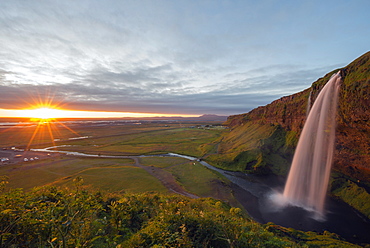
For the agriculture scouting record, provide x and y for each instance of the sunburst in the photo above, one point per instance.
(43, 112)
(46, 113)
(46, 116)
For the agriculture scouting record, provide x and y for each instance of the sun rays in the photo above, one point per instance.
(45, 120)
(47, 124)
(42, 118)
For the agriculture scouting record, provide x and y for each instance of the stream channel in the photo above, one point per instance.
(255, 192)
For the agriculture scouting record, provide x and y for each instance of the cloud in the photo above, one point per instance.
(164, 56)
(137, 92)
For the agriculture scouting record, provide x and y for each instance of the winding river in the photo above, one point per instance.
(255, 194)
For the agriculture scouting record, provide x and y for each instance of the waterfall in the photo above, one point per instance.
(309, 174)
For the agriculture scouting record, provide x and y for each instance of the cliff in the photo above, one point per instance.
(263, 140)
(352, 155)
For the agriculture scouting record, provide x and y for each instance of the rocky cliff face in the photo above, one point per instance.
(352, 155)
(353, 130)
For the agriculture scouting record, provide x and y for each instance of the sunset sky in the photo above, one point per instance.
(172, 57)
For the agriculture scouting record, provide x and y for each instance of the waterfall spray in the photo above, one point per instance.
(309, 174)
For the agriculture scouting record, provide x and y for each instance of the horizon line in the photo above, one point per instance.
(85, 114)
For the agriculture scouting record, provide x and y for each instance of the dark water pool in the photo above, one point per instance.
(254, 193)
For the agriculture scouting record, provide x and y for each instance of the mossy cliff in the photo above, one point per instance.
(263, 140)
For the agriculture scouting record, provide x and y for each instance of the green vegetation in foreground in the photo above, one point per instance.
(54, 217)
(309, 239)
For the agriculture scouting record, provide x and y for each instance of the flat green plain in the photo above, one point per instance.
(115, 174)
(128, 179)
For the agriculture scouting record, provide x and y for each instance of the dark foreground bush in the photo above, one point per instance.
(54, 217)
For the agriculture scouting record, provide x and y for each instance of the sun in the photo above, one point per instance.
(45, 113)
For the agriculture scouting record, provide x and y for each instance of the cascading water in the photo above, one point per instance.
(308, 177)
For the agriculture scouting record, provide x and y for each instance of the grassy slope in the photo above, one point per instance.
(243, 138)
(53, 217)
(352, 192)
(255, 148)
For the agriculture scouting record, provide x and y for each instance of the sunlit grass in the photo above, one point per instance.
(195, 177)
(27, 175)
(162, 162)
(183, 141)
(118, 179)
(115, 140)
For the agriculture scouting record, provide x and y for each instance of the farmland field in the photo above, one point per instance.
(133, 173)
